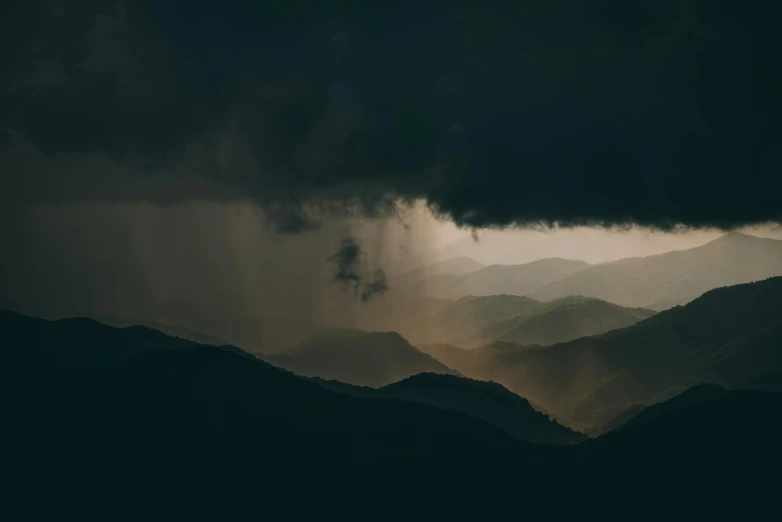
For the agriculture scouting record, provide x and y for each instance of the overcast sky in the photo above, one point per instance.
(222, 152)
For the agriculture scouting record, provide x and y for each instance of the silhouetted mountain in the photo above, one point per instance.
(725, 336)
(502, 279)
(698, 393)
(357, 357)
(674, 277)
(487, 401)
(77, 341)
(706, 436)
(130, 416)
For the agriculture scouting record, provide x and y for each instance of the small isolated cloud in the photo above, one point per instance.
(349, 272)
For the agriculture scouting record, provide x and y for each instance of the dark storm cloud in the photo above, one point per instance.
(496, 113)
(350, 272)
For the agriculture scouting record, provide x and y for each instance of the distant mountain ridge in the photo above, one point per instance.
(356, 357)
(454, 266)
(501, 279)
(475, 321)
(725, 336)
(139, 413)
(676, 277)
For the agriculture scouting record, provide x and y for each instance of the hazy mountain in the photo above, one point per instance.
(453, 266)
(487, 401)
(357, 357)
(468, 316)
(502, 279)
(557, 321)
(570, 318)
(675, 277)
(725, 336)
(404, 316)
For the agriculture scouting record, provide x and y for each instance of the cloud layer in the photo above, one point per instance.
(578, 112)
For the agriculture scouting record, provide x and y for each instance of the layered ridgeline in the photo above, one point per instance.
(497, 279)
(455, 266)
(662, 281)
(135, 404)
(136, 411)
(725, 337)
(357, 357)
(488, 401)
(657, 282)
(475, 321)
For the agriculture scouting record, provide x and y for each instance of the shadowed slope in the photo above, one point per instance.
(487, 401)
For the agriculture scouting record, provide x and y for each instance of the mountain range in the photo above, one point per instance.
(499, 279)
(665, 280)
(357, 357)
(453, 267)
(488, 401)
(125, 414)
(725, 336)
(475, 321)
(655, 282)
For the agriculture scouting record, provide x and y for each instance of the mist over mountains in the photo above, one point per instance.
(724, 336)
(658, 282)
(474, 321)
(407, 260)
(664, 280)
(500, 279)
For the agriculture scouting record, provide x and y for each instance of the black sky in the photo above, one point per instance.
(597, 112)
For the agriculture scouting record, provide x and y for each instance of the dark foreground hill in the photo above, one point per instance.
(109, 421)
(357, 357)
(725, 336)
(488, 401)
(698, 393)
